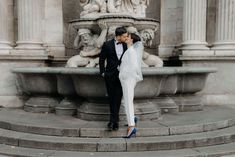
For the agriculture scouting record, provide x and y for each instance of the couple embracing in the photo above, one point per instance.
(123, 56)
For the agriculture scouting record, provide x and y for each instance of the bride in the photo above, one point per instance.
(130, 73)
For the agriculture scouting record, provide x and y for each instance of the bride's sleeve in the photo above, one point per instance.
(139, 51)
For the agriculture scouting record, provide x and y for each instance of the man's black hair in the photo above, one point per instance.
(120, 31)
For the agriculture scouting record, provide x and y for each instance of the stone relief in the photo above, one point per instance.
(95, 27)
(89, 46)
(147, 36)
(132, 7)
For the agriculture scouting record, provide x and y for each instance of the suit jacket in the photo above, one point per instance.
(108, 52)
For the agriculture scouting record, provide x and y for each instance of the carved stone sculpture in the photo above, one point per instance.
(89, 46)
(93, 6)
(147, 36)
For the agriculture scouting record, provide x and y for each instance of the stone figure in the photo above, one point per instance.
(134, 7)
(130, 7)
(89, 46)
(93, 6)
(147, 36)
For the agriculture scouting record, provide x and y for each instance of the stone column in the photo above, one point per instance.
(194, 25)
(225, 27)
(6, 26)
(54, 28)
(30, 26)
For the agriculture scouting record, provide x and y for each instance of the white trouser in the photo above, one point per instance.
(128, 86)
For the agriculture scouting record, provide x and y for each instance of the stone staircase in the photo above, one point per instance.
(209, 133)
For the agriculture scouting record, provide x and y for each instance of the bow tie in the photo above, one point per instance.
(118, 43)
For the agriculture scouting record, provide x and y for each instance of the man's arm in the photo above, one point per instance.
(102, 58)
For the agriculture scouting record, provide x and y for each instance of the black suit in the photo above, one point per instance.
(113, 85)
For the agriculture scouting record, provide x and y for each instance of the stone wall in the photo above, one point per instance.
(219, 89)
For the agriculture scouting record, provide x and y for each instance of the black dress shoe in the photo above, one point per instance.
(110, 126)
(113, 126)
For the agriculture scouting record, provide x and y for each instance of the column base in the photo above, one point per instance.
(225, 52)
(32, 52)
(224, 48)
(194, 47)
(5, 48)
(198, 52)
(31, 45)
(4, 51)
(224, 45)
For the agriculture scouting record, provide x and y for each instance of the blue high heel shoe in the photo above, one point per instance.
(131, 132)
(136, 120)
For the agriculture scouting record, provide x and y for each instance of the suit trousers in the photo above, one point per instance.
(114, 90)
(128, 87)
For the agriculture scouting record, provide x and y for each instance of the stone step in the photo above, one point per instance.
(225, 150)
(212, 118)
(98, 129)
(173, 142)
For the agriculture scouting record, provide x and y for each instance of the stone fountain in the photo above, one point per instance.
(77, 89)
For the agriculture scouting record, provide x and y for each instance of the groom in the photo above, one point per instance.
(112, 51)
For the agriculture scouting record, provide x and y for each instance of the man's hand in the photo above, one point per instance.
(102, 74)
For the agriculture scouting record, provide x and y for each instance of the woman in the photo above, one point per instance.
(130, 74)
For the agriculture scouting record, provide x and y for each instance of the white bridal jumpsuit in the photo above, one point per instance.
(130, 73)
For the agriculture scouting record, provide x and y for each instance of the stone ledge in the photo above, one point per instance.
(203, 58)
(26, 57)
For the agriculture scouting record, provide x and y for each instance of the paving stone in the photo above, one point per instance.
(9, 137)
(101, 132)
(37, 130)
(216, 125)
(11, 151)
(59, 143)
(217, 151)
(112, 145)
(178, 130)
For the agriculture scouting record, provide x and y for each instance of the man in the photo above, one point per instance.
(112, 51)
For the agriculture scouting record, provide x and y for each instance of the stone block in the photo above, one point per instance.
(187, 129)
(158, 131)
(216, 125)
(55, 143)
(112, 145)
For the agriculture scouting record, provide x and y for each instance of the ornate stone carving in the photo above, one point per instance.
(89, 46)
(98, 22)
(147, 36)
(94, 8)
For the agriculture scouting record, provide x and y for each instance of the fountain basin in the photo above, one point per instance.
(86, 83)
